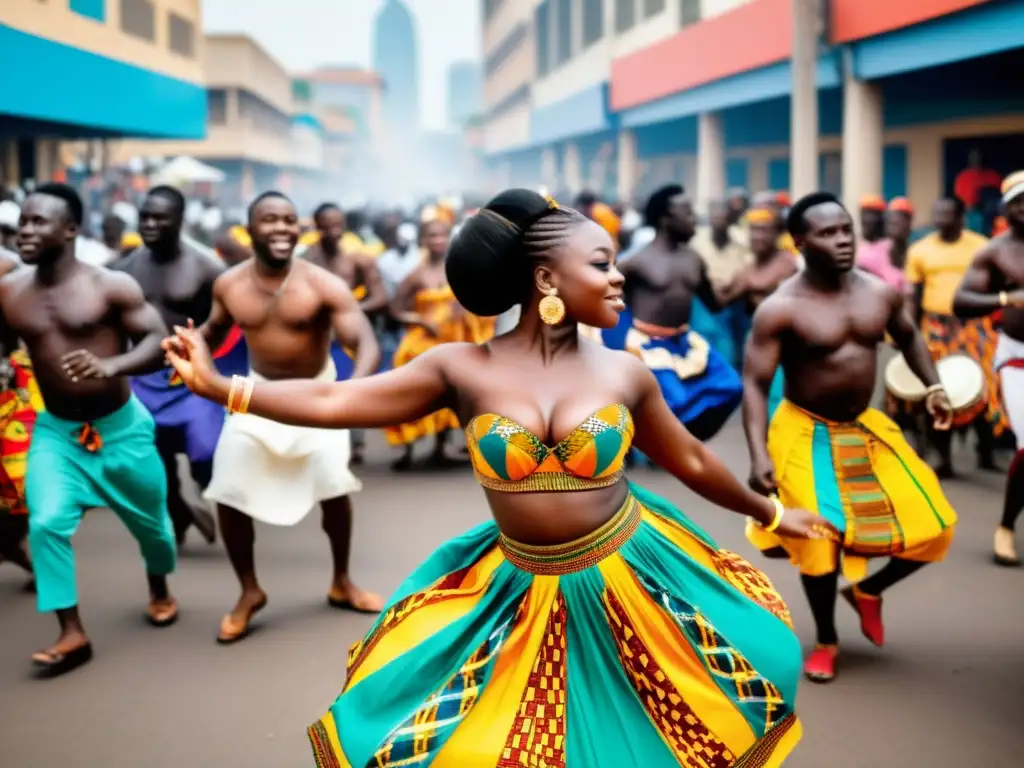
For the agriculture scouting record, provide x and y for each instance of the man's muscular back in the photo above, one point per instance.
(181, 289)
(287, 329)
(660, 286)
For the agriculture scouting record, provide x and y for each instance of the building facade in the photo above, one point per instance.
(113, 68)
(853, 96)
(253, 128)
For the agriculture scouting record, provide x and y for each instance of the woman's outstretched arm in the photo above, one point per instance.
(663, 438)
(405, 394)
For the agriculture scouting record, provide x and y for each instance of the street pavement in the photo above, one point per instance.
(946, 691)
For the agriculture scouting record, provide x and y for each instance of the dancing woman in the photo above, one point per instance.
(592, 623)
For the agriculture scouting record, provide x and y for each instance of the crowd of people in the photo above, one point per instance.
(591, 617)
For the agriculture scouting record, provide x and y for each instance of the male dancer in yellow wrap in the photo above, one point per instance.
(826, 450)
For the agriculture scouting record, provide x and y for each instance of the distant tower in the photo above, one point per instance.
(396, 58)
(465, 92)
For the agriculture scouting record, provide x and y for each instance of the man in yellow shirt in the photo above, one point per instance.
(935, 266)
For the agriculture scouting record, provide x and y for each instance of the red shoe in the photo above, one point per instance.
(820, 666)
(869, 608)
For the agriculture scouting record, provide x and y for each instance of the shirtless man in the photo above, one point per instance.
(87, 330)
(826, 450)
(288, 310)
(178, 281)
(363, 278)
(995, 281)
(661, 280)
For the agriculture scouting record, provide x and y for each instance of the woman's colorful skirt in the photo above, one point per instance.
(700, 387)
(19, 405)
(641, 644)
(866, 480)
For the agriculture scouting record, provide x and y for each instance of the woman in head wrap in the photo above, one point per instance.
(592, 623)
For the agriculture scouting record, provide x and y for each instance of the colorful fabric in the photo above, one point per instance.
(695, 380)
(948, 335)
(876, 258)
(725, 331)
(940, 266)
(19, 405)
(276, 473)
(508, 457)
(865, 479)
(642, 644)
(437, 306)
(110, 462)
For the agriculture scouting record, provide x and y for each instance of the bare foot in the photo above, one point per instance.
(346, 595)
(71, 650)
(236, 625)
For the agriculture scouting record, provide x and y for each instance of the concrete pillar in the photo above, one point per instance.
(628, 167)
(757, 172)
(710, 160)
(549, 169)
(572, 175)
(924, 172)
(803, 140)
(12, 171)
(862, 138)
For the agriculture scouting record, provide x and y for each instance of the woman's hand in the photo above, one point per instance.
(187, 352)
(801, 524)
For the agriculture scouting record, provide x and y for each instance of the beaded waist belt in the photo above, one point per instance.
(548, 482)
(578, 555)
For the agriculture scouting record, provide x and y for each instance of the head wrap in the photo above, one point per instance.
(901, 205)
(872, 203)
(1013, 187)
(606, 217)
(131, 240)
(241, 236)
(761, 216)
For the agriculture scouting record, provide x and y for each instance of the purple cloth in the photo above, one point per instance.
(172, 405)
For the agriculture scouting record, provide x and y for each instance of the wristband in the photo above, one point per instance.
(230, 404)
(1004, 298)
(243, 405)
(779, 512)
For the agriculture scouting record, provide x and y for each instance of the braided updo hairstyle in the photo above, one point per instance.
(490, 262)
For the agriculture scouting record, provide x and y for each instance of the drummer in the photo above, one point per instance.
(935, 267)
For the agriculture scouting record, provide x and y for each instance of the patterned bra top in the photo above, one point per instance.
(508, 457)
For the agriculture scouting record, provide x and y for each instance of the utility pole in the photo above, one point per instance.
(803, 148)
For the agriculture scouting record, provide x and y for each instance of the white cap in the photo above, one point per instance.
(10, 213)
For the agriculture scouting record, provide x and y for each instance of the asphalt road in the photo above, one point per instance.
(947, 690)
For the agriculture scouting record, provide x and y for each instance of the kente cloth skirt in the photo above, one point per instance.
(948, 335)
(276, 473)
(866, 480)
(20, 403)
(641, 644)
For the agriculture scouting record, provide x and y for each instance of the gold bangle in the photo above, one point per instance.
(230, 404)
(779, 512)
(1004, 298)
(243, 405)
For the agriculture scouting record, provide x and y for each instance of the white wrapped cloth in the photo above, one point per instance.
(276, 473)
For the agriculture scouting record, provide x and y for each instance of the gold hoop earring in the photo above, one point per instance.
(551, 309)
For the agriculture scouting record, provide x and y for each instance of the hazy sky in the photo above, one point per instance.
(304, 34)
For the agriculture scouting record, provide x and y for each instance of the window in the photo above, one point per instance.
(216, 106)
(689, 12)
(183, 35)
(593, 21)
(653, 7)
(505, 48)
(563, 21)
(540, 22)
(91, 9)
(625, 14)
(138, 18)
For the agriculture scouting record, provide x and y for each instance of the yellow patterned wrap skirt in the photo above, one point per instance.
(865, 479)
(641, 644)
